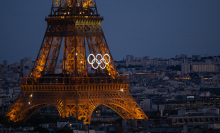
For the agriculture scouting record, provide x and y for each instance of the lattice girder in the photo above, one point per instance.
(76, 102)
(69, 56)
(52, 58)
(70, 3)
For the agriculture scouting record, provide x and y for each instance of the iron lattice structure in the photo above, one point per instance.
(74, 24)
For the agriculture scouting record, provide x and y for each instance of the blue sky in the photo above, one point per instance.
(155, 28)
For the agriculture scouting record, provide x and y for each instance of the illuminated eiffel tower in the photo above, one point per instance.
(74, 24)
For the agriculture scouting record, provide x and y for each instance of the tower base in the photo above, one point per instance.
(77, 97)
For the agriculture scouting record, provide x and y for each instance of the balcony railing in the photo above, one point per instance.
(73, 80)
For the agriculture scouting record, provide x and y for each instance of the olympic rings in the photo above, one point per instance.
(97, 61)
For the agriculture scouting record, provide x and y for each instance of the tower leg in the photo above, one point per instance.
(29, 102)
(47, 57)
(98, 44)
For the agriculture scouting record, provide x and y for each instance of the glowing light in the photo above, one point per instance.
(121, 89)
(31, 95)
(98, 59)
(88, 3)
(29, 103)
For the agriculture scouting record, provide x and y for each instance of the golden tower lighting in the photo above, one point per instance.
(74, 24)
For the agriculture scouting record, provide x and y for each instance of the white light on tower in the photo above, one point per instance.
(98, 59)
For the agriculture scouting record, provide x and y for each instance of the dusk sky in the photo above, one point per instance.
(155, 28)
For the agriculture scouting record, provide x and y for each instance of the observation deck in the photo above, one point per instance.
(73, 83)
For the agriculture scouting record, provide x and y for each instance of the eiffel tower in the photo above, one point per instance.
(74, 24)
